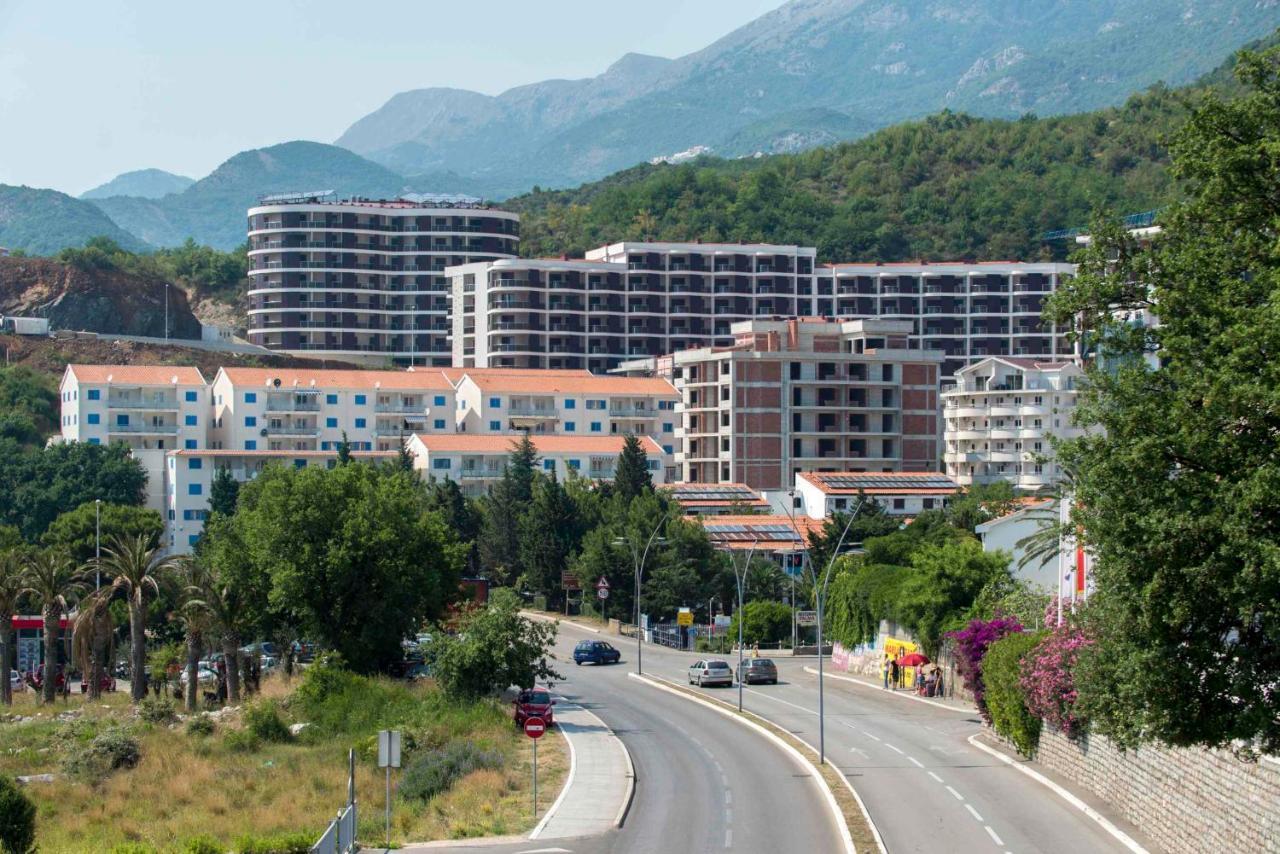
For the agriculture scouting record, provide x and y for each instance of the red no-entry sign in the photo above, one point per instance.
(534, 727)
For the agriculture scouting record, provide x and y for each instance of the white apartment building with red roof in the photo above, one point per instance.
(1002, 416)
(905, 494)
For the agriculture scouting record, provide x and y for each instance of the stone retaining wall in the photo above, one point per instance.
(1183, 799)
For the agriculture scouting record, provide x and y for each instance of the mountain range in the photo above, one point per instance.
(811, 73)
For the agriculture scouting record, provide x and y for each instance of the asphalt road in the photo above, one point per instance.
(926, 788)
(703, 782)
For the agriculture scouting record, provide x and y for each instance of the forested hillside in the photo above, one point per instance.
(950, 186)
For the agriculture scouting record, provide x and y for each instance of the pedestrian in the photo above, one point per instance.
(755, 649)
(893, 673)
(884, 669)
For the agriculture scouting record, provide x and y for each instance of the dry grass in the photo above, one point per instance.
(188, 786)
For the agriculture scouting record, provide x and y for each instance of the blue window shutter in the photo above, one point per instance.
(360, 400)
(195, 463)
(331, 399)
(191, 397)
(251, 421)
(360, 422)
(331, 422)
(250, 397)
(439, 400)
(495, 426)
(195, 489)
(94, 418)
(439, 423)
(251, 444)
(191, 444)
(95, 394)
(495, 403)
(191, 420)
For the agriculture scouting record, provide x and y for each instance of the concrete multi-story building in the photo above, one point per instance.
(903, 494)
(967, 310)
(476, 462)
(567, 403)
(292, 409)
(542, 313)
(362, 279)
(806, 395)
(188, 478)
(1002, 416)
(150, 408)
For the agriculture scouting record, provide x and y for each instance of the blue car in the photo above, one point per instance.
(596, 652)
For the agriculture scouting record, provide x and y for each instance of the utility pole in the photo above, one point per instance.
(639, 559)
(741, 579)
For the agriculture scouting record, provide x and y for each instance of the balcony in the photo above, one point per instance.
(409, 408)
(292, 430)
(145, 429)
(632, 412)
(480, 474)
(155, 404)
(293, 404)
(534, 412)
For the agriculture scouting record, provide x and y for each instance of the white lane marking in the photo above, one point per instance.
(728, 838)
(894, 749)
(996, 839)
(915, 762)
(870, 736)
(1125, 839)
(728, 797)
(780, 700)
(860, 752)
(974, 813)
(935, 776)
(959, 797)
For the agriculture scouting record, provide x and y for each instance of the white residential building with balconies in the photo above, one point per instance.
(1002, 417)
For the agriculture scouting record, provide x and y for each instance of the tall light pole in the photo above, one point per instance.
(820, 596)
(791, 514)
(97, 543)
(639, 558)
(741, 578)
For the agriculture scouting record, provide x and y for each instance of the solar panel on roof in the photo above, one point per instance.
(923, 481)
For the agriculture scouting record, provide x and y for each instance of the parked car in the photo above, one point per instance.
(534, 703)
(596, 652)
(710, 672)
(15, 681)
(107, 682)
(204, 677)
(59, 678)
(753, 670)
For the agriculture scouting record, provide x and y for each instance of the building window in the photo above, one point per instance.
(549, 465)
(899, 504)
(191, 397)
(928, 504)
(95, 441)
(573, 464)
(570, 427)
(668, 427)
(191, 444)
(595, 404)
(251, 421)
(331, 399)
(360, 422)
(173, 516)
(195, 489)
(95, 394)
(195, 463)
(299, 464)
(495, 426)
(441, 463)
(331, 422)
(668, 449)
(251, 444)
(652, 465)
(438, 423)
(122, 420)
(570, 403)
(192, 539)
(438, 400)
(250, 397)
(94, 418)
(596, 427)
(495, 403)
(361, 400)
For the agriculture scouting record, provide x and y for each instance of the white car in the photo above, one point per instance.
(204, 676)
(15, 681)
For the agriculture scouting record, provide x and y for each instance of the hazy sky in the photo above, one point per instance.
(92, 89)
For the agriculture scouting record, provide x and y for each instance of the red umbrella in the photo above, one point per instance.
(913, 659)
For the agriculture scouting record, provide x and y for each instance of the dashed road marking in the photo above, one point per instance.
(894, 749)
(728, 838)
(996, 839)
(973, 812)
(915, 762)
(959, 797)
(935, 776)
(870, 736)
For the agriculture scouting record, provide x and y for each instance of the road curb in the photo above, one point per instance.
(564, 790)
(1123, 838)
(905, 696)
(842, 824)
(546, 618)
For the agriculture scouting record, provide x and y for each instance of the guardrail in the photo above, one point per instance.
(340, 836)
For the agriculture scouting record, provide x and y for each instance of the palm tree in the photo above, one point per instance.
(222, 617)
(93, 638)
(50, 577)
(11, 583)
(138, 566)
(197, 618)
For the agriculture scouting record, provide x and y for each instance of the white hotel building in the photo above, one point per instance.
(361, 279)
(1001, 417)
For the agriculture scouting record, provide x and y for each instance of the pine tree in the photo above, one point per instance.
(550, 533)
(631, 477)
(404, 460)
(224, 492)
(521, 468)
(344, 450)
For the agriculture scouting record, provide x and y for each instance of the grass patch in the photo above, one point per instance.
(240, 789)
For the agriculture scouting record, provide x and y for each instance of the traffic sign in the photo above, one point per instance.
(602, 592)
(684, 617)
(535, 727)
(389, 748)
(569, 581)
(806, 618)
(602, 584)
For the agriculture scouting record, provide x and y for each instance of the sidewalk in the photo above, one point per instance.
(950, 704)
(601, 780)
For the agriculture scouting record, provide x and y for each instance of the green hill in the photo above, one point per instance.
(212, 210)
(949, 186)
(40, 222)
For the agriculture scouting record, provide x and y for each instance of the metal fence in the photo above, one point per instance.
(340, 836)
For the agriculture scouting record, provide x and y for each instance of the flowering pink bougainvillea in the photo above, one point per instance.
(971, 644)
(1048, 680)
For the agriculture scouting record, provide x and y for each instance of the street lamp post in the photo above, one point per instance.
(741, 579)
(640, 558)
(820, 596)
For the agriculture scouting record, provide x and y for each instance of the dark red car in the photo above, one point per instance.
(534, 703)
(106, 683)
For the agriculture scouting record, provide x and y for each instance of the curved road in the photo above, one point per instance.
(703, 782)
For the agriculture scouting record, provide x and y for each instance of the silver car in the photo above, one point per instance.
(710, 672)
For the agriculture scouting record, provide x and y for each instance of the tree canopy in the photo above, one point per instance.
(40, 484)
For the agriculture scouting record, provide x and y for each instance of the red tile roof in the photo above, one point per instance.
(291, 378)
(738, 532)
(473, 443)
(137, 374)
(863, 483)
(456, 374)
(561, 384)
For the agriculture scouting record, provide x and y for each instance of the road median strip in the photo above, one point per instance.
(854, 824)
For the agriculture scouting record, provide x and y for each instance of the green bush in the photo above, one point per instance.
(433, 773)
(17, 819)
(156, 710)
(200, 725)
(203, 845)
(241, 741)
(263, 720)
(719, 645)
(1001, 674)
(762, 622)
(112, 748)
(284, 843)
(133, 848)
